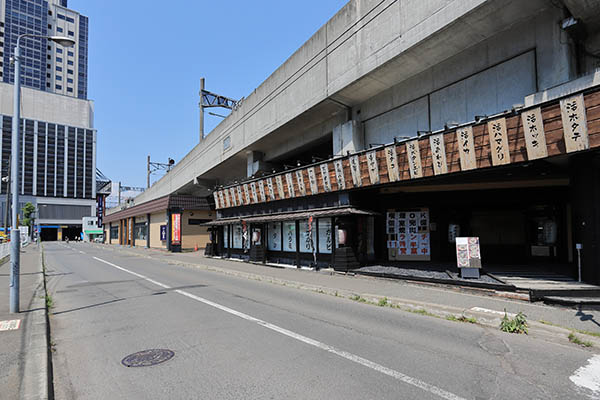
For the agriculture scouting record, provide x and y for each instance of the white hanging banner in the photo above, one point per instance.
(240, 197)
(300, 181)
(289, 180)
(279, 182)
(498, 141)
(261, 190)
(414, 159)
(391, 158)
(271, 188)
(466, 148)
(373, 166)
(233, 196)
(438, 154)
(339, 174)
(325, 177)
(574, 120)
(535, 137)
(222, 199)
(355, 169)
(254, 194)
(216, 196)
(247, 193)
(312, 180)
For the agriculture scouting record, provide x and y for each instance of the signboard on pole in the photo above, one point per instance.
(468, 255)
(176, 228)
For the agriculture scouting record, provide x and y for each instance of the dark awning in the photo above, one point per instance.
(319, 213)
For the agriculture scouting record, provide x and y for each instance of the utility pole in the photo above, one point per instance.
(7, 211)
(201, 110)
(148, 173)
(119, 203)
(155, 166)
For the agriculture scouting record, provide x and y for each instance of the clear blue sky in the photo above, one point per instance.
(146, 59)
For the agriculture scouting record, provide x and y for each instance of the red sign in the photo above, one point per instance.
(175, 228)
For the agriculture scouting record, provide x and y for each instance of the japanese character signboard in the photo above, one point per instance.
(355, 169)
(408, 235)
(468, 254)
(226, 196)
(438, 154)
(233, 196)
(338, 166)
(289, 180)
(535, 137)
(176, 228)
(572, 111)
(466, 148)
(240, 197)
(312, 180)
(261, 190)
(254, 194)
(247, 193)
(391, 158)
(373, 167)
(498, 141)
(271, 188)
(414, 159)
(300, 181)
(221, 198)
(216, 196)
(325, 176)
(279, 182)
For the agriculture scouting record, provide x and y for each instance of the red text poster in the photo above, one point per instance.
(175, 228)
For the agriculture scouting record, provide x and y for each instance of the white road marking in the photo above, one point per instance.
(82, 252)
(10, 325)
(487, 310)
(588, 376)
(344, 354)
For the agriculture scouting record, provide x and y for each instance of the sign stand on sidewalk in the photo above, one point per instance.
(468, 256)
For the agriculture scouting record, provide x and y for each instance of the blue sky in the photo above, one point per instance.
(145, 64)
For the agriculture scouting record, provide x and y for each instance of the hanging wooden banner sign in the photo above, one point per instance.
(247, 193)
(535, 137)
(498, 141)
(279, 182)
(466, 148)
(355, 169)
(289, 180)
(325, 177)
(226, 196)
(438, 154)
(233, 196)
(271, 188)
(261, 191)
(340, 179)
(312, 180)
(391, 158)
(240, 197)
(254, 194)
(373, 167)
(221, 199)
(414, 159)
(216, 196)
(300, 181)
(574, 120)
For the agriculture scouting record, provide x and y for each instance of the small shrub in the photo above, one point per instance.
(462, 318)
(518, 324)
(576, 340)
(49, 302)
(383, 302)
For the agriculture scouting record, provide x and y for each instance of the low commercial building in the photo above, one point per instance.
(174, 223)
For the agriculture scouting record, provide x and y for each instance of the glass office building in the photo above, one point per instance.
(46, 65)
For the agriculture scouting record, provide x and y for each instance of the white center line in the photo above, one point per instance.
(344, 354)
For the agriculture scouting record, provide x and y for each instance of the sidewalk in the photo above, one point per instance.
(486, 305)
(24, 351)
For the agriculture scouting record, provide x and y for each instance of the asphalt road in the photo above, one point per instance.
(244, 339)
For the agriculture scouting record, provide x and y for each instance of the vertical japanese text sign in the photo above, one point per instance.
(391, 158)
(535, 138)
(414, 159)
(373, 166)
(572, 111)
(438, 154)
(176, 228)
(466, 148)
(498, 141)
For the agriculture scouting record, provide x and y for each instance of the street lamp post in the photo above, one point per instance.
(15, 238)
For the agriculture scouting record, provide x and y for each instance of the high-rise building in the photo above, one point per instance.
(46, 65)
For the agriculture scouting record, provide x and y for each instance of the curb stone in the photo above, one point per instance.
(36, 378)
(485, 318)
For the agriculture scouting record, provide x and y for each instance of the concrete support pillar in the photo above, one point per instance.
(347, 137)
(255, 163)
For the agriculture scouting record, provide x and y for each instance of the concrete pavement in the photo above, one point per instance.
(235, 337)
(485, 305)
(24, 351)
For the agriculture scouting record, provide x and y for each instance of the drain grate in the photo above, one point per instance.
(147, 358)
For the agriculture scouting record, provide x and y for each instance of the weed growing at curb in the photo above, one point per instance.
(576, 340)
(383, 302)
(462, 318)
(358, 298)
(420, 311)
(583, 332)
(518, 324)
(49, 302)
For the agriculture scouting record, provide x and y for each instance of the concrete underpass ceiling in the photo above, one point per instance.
(588, 11)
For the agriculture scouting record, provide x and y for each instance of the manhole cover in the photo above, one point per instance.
(147, 358)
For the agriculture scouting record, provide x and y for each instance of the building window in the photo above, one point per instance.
(60, 16)
(307, 240)
(289, 236)
(71, 33)
(59, 29)
(49, 26)
(49, 57)
(70, 89)
(69, 62)
(325, 234)
(70, 53)
(58, 59)
(274, 236)
(59, 50)
(70, 71)
(59, 69)
(58, 78)
(69, 80)
(237, 240)
(226, 236)
(226, 143)
(48, 76)
(49, 47)
(197, 221)
(58, 87)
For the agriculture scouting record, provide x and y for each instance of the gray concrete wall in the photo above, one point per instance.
(50, 107)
